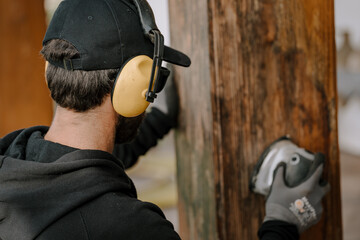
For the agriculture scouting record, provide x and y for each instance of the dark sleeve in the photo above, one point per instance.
(115, 216)
(155, 125)
(151, 224)
(278, 230)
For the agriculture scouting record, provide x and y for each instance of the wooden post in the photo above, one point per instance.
(24, 98)
(260, 70)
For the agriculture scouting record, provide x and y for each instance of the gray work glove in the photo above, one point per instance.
(300, 205)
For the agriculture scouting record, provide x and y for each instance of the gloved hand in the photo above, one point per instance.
(300, 205)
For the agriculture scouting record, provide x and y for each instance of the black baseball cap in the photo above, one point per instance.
(106, 33)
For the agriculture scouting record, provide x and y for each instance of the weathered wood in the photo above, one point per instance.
(24, 98)
(272, 72)
(195, 172)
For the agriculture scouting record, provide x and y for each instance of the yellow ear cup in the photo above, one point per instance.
(128, 96)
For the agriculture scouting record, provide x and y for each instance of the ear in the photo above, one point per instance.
(131, 85)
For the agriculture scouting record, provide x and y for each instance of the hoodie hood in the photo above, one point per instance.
(41, 181)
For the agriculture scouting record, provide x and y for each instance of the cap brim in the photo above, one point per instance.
(175, 57)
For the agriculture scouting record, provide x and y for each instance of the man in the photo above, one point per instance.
(63, 182)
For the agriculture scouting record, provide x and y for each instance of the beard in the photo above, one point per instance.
(127, 128)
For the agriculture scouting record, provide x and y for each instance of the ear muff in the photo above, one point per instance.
(164, 74)
(131, 85)
(46, 67)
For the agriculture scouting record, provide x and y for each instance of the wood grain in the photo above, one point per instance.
(272, 73)
(24, 98)
(195, 173)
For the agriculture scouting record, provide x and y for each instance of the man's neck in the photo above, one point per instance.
(94, 129)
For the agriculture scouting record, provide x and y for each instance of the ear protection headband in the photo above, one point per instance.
(141, 78)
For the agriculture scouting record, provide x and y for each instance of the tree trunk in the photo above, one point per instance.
(260, 70)
(24, 98)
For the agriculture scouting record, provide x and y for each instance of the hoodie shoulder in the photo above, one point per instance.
(116, 216)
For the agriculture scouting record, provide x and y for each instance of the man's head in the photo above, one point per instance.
(103, 35)
(90, 43)
(80, 90)
(77, 90)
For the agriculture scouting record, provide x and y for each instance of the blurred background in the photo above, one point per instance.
(25, 101)
(347, 20)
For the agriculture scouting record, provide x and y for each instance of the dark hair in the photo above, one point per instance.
(77, 90)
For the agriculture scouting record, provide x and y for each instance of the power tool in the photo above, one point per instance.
(299, 164)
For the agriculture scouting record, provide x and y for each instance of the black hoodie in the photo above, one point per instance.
(51, 191)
